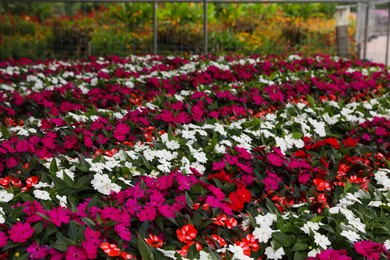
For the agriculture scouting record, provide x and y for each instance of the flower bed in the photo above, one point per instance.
(219, 158)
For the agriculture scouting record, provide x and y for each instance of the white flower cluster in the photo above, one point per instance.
(354, 224)
(382, 177)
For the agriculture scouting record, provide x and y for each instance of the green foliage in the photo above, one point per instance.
(55, 30)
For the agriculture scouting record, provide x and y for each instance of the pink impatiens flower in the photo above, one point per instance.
(20, 232)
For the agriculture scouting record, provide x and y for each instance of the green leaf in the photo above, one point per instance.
(297, 135)
(19, 256)
(299, 247)
(38, 227)
(283, 239)
(73, 232)
(144, 249)
(347, 186)
(300, 255)
(26, 197)
(50, 230)
(89, 222)
(143, 229)
(189, 201)
(84, 182)
(43, 216)
(316, 219)
(311, 101)
(62, 244)
(171, 136)
(53, 166)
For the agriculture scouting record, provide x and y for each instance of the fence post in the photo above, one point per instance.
(342, 14)
(155, 27)
(205, 27)
(388, 35)
(366, 31)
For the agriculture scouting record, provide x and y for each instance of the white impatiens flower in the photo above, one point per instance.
(238, 253)
(266, 220)
(321, 240)
(165, 165)
(313, 252)
(103, 184)
(381, 176)
(200, 157)
(41, 194)
(168, 253)
(387, 244)
(68, 172)
(274, 254)
(172, 145)
(97, 167)
(375, 204)
(319, 127)
(204, 256)
(2, 215)
(5, 196)
(220, 148)
(149, 154)
(62, 200)
(357, 224)
(350, 235)
(310, 226)
(263, 234)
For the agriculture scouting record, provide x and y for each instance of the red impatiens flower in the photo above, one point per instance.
(322, 184)
(154, 241)
(31, 181)
(219, 239)
(125, 255)
(110, 249)
(186, 233)
(231, 223)
(220, 220)
(332, 142)
(350, 142)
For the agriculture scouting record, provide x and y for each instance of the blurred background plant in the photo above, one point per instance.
(76, 30)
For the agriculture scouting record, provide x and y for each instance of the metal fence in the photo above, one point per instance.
(372, 31)
(191, 27)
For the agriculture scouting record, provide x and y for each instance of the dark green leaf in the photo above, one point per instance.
(300, 255)
(283, 239)
(144, 249)
(53, 166)
(299, 247)
(62, 244)
(89, 222)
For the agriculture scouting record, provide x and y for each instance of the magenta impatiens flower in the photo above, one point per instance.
(3, 239)
(369, 249)
(36, 251)
(58, 216)
(75, 253)
(91, 242)
(20, 232)
(147, 213)
(272, 181)
(331, 254)
(121, 131)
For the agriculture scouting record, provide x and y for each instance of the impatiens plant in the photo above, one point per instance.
(195, 158)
